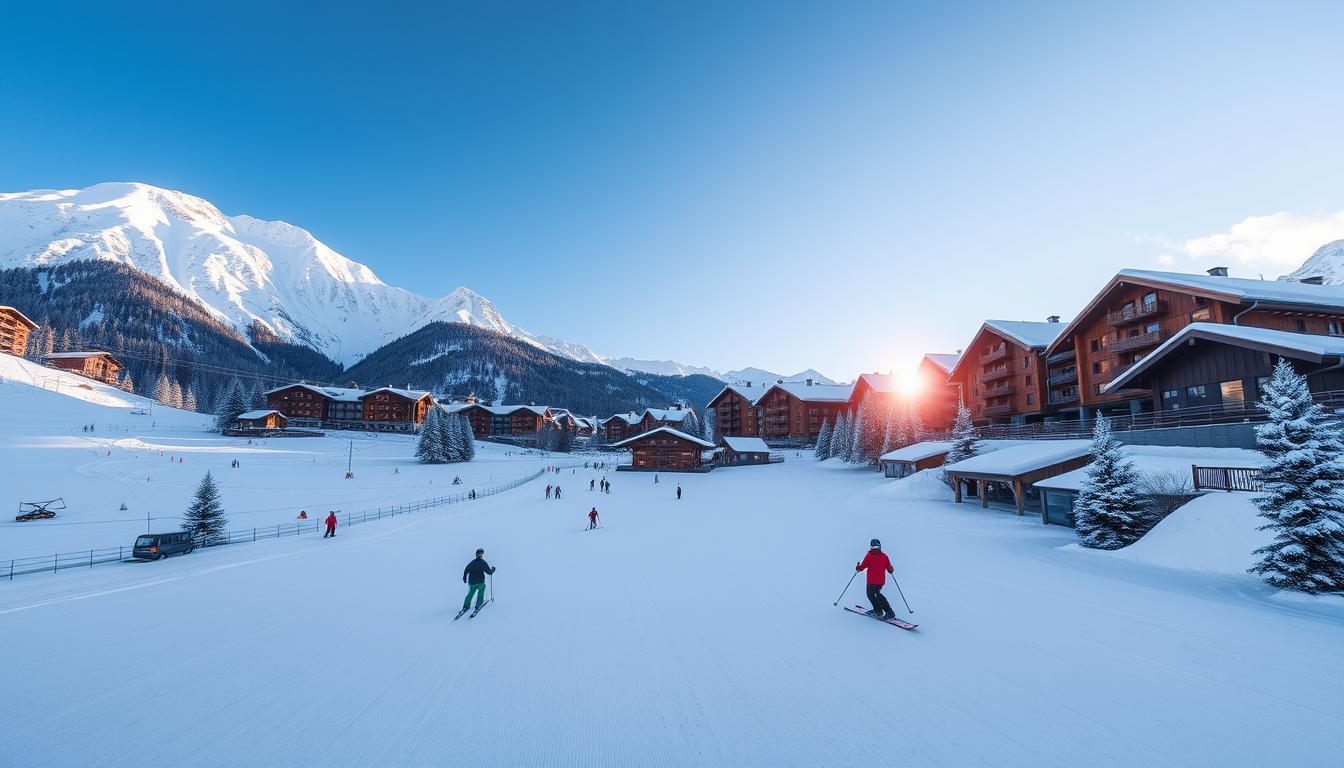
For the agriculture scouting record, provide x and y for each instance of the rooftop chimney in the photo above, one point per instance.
(809, 382)
(1314, 280)
(1218, 271)
(1052, 319)
(747, 384)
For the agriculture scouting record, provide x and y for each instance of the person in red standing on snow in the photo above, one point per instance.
(331, 525)
(592, 519)
(878, 565)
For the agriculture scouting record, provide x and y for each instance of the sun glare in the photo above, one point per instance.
(909, 385)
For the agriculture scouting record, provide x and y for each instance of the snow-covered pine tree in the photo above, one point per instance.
(450, 436)
(709, 425)
(915, 426)
(564, 442)
(468, 437)
(176, 397)
(868, 436)
(1109, 512)
(231, 406)
(205, 519)
(188, 399)
(823, 451)
(1303, 481)
(965, 438)
(889, 431)
(690, 424)
(429, 449)
(257, 399)
(163, 390)
(839, 437)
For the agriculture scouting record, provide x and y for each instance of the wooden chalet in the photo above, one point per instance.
(1001, 375)
(620, 426)
(793, 412)
(518, 420)
(1221, 370)
(312, 405)
(734, 410)
(665, 449)
(14, 330)
(1010, 473)
(739, 450)
(674, 416)
(908, 460)
(936, 399)
(391, 408)
(1139, 310)
(477, 414)
(100, 366)
(262, 419)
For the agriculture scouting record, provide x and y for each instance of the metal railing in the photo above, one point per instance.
(1226, 478)
(52, 563)
(1136, 312)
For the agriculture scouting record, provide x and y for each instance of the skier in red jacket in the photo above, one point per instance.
(878, 566)
(331, 525)
(592, 519)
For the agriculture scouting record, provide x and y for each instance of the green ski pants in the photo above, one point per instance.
(474, 589)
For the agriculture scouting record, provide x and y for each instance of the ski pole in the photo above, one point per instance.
(492, 590)
(902, 594)
(846, 589)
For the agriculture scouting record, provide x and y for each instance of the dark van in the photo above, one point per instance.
(155, 546)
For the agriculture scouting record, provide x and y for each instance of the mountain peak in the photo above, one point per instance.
(1326, 262)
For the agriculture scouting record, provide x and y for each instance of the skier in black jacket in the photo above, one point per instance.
(474, 577)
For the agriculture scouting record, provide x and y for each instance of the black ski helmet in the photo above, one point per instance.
(480, 552)
(874, 544)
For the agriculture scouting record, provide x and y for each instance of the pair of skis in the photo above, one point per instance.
(473, 613)
(892, 621)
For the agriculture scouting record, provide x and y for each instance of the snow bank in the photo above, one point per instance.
(926, 485)
(1216, 532)
(1019, 459)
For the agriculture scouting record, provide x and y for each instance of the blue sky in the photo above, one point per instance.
(835, 185)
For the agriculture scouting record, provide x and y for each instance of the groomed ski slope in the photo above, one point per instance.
(691, 633)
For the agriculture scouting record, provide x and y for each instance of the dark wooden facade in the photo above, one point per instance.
(789, 417)
(1133, 315)
(663, 450)
(619, 427)
(300, 401)
(100, 366)
(735, 412)
(1001, 379)
(395, 409)
(14, 330)
(270, 420)
(479, 417)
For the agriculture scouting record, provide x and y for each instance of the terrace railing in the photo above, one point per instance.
(1226, 478)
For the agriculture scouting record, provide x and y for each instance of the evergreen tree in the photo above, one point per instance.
(1303, 481)
(175, 397)
(709, 426)
(965, 438)
(163, 390)
(691, 424)
(840, 437)
(430, 448)
(189, 399)
(1109, 512)
(915, 427)
(823, 451)
(468, 437)
(868, 436)
(205, 519)
(231, 406)
(564, 442)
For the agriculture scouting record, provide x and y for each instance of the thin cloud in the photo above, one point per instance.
(1270, 245)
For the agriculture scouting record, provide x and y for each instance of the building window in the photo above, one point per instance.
(1031, 399)
(1196, 396)
(1096, 389)
(1028, 380)
(1332, 327)
(1152, 328)
(1095, 344)
(1171, 399)
(1026, 361)
(1234, 396)
(1300, 325)
(1150, 300)
(1200, 315)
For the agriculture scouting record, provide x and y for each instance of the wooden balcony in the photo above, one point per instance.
(1136, 313)
(996, 374)
(1061, 398)
(999, 354)
(1061, 357)
(1000, 410)
(1063, 377)
(1142, 341)
(1006, 389)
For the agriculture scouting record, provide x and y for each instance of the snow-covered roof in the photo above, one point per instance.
(1303, 346)
(749, 394)
(945, 361)
(880, 382)
(341, 394)
(929, 448)
(261, 414)
(504, 410)
(22, 317)
(628, 418)
(665, 430)
(667, 414)
(1153, 460)
(746, 444)
(815, 393)
(1028, 333)
(1021, 459)
(73, 355)
(409, 394)
(458, 407)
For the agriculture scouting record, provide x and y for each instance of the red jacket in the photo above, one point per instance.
(877, 564)
(592, 515)
(331, 520)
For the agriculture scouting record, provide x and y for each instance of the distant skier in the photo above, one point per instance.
(655, 478)
(548, 490)
(592, 484)
(878, 566)
(331, 525)
(678, 491)
(474, 577)
(557, 493)
(592, 519)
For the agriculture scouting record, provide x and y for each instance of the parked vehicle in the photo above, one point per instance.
(156, 546)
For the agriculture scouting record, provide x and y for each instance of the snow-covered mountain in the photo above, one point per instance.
(758, 376)
(659, 367)
(240, 268)
(1327, 262)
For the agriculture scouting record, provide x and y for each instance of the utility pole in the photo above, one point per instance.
(350, 457)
